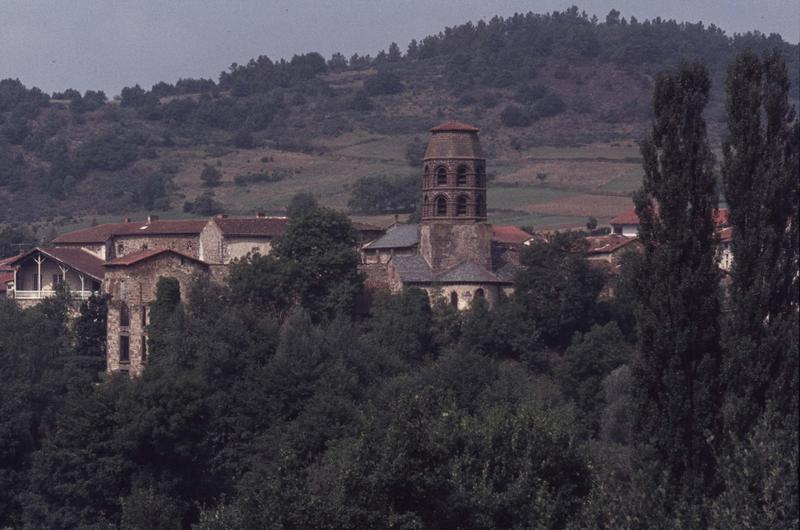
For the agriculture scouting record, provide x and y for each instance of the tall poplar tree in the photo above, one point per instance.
(760, 175)
(676, 385)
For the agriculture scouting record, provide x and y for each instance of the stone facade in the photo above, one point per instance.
(186, 244)
(446, 245)
(132, 289)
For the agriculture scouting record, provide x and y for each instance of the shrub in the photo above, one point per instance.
(210, 176)
(515, 116)
(383, 83)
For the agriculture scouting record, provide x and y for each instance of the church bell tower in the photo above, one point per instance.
(454, 228)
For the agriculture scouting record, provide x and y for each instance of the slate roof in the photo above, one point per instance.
(75, 258)
(414, 269)
(143, 255)
(259, 226)
(467, 272)
(101, 233)
(398, 236)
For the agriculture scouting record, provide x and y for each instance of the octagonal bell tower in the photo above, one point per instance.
(454, 176)
(454, 228)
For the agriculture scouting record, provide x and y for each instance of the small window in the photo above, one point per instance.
(124, 349)
(461, 206)
(441, 177)
(189, 245)
(441, 206)
(454, 299)
(144, 316)
(124, 315)
(480, 294)
(144, 246)
(120, 249)
(461, 176)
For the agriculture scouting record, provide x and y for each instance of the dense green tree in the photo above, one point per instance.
(760, 176)
(382, 194)
(210, 176)
(677, 377)
(590, 358)
(322, 264)
(301, 204)
(90, 329)
(558, 288)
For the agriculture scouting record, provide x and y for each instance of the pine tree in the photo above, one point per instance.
(760, 175)
(676, 379)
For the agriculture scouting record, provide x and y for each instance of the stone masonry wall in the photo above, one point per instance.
(136, 286)
(445, 245)
(124, 245)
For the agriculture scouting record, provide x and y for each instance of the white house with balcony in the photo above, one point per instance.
(39, 272)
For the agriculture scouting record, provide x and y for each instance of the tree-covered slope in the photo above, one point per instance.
(561, 99)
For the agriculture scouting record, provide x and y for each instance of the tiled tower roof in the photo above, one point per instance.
(454, 140)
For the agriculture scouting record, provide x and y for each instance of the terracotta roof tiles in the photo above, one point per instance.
(454, 126)
(143, 255)
(75, 258)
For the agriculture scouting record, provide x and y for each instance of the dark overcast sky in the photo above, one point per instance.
(108, 44)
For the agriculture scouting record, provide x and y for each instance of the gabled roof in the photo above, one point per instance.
(252, 227)
(397, 236)
(412, 269)
(75, 258)
(144, 255)
(101, 233)
(608, 244)
(510, 235)
(454, 126)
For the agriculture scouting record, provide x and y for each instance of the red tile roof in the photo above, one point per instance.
(101, 233)
(629, 217)
(454, 126)
(143, 255)
(511, 235)
(608, 244)
(259, 226)
(75, 258)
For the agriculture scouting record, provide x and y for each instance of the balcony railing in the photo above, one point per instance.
(38, 295)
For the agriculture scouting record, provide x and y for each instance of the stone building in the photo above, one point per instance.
(453, 252)
(130, 281)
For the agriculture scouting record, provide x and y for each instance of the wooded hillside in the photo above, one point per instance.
(562, 100)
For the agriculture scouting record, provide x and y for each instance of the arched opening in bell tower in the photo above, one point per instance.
(441, 206)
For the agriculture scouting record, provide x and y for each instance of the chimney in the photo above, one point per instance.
(261, 215)
(126, 220)
(151, 218)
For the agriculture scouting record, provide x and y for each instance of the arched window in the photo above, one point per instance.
(124, 315)
(480, 207)
(454, 299)
(461, 205)
(441, 206)
(461, 176)
(480, 294)
(480, 176)
(441, 176)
